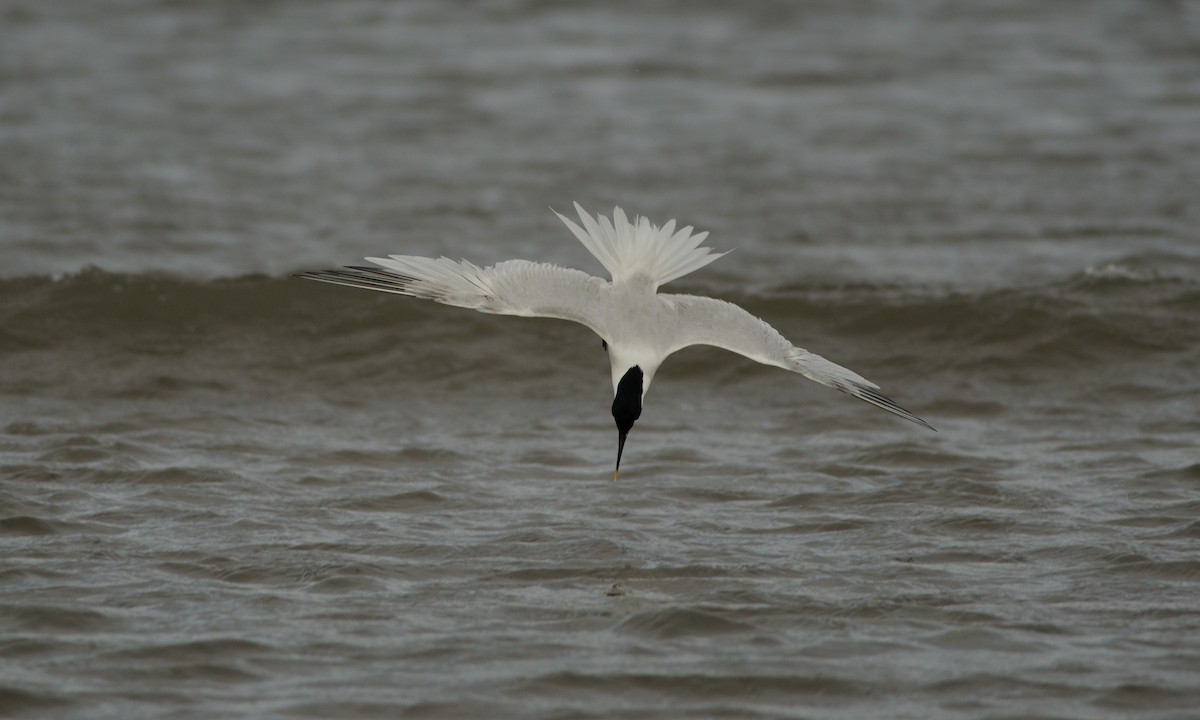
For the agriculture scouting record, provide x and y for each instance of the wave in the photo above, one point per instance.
(1100, 315)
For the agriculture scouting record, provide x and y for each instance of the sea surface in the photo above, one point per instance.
(229, 493)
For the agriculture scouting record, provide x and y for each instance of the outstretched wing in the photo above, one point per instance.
(708, 321)
(513, 287)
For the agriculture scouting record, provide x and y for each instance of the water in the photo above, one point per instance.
(227, 493)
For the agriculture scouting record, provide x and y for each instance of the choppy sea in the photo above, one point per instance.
(225, 492)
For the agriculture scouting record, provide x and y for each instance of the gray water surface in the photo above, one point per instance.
(229, 493)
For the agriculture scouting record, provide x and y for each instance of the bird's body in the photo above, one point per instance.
(639, 326)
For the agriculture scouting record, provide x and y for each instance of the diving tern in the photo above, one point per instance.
(637, 325)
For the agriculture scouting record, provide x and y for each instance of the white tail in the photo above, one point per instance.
(639, 248)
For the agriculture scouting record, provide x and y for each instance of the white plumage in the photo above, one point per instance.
(640, 326)
(630, 249)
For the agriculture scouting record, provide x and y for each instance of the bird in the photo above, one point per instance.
(638, 326)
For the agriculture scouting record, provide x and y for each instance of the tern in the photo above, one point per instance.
(638, 326)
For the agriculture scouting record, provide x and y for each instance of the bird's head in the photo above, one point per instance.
(627, 408)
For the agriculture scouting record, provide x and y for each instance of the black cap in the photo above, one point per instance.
(627, 408)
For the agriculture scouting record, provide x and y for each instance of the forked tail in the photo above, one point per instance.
(628, 249)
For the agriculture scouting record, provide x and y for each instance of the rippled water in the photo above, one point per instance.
(228, 493)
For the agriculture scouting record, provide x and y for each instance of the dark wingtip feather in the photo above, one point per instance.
(362, 277)
(883, 402)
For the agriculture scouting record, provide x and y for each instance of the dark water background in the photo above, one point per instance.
(227, 493)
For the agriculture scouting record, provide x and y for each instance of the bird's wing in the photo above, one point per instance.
(513, 287)
(708, 321)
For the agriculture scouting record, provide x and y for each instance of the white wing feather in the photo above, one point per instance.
(708, 321)
(513, 287)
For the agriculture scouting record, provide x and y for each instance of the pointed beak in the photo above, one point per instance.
(620, 449)
(626, 409)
